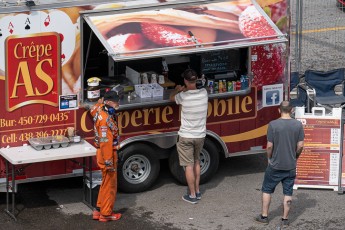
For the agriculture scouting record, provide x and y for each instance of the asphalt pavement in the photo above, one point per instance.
(230, 200)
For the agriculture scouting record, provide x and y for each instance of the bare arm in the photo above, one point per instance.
(269, 149)
(299, 148)
(177, 89)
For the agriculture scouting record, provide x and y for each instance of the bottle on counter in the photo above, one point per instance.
(161, 79)
(211, 87)
(220, 86)
(224, 86)
(154, 78)
(93, 89)
(238, 85)
(215, 87)
(165, 69)
(234, 86)
(144, 78)
(230, 87)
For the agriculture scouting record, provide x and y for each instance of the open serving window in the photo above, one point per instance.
(155, 41)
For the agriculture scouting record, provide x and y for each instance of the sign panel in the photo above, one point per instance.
(68, 102)
(319, 164)
(342, 170)
(220, 61)
(33, 69)
(272, 95)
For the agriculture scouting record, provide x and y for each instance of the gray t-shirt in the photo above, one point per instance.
(284, 134)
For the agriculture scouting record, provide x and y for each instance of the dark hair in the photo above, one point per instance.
(190, 75)
(111, 96)
(285, 107)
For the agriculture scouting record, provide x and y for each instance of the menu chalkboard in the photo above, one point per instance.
(216, 62)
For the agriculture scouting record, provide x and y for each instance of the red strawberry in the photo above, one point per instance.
(166, 35)
(269, 65)
(127, 42)
(253, 24)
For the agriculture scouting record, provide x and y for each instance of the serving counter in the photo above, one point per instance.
(137, 102)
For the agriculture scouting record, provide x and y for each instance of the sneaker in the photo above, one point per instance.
(114, 216)
(198, 195)
(189, 199)
(95, 214)
(261, 219)
(285, 222)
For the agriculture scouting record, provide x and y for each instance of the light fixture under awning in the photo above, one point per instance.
(151, 32)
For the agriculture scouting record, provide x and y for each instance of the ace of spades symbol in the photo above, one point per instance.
(27, 24)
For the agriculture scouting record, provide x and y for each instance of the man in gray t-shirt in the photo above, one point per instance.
(284, 134)
(285, 140)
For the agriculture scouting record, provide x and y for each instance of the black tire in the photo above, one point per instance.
(138, 169)
(209, 161)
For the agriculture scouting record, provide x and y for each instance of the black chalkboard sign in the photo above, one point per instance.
(219, 61)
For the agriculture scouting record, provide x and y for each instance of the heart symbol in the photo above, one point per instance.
(46, 23)
(62, 57)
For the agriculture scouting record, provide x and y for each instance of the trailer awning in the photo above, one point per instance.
(147, 32)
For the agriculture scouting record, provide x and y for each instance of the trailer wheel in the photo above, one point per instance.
(138, 169)
(209, 161)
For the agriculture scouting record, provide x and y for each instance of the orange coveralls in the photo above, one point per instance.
(106, 132)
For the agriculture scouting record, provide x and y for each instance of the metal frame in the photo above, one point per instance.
(12, 187)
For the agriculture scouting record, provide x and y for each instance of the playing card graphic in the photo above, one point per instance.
(39, 22)
(27, 24)
(58, 21)
(47, 21)
(10, 28)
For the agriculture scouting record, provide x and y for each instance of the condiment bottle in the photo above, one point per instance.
(93, 89)
(153, 78)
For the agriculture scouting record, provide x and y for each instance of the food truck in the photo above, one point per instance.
(59, 57)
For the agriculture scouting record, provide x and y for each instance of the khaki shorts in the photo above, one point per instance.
(189, 150)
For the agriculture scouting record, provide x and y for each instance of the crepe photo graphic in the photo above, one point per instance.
(181, 27)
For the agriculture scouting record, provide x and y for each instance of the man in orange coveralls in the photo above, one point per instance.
(106, 140)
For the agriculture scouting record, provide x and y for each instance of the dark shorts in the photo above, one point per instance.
(274, 176)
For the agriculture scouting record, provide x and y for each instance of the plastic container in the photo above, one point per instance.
(149, 90)
(49, 142)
